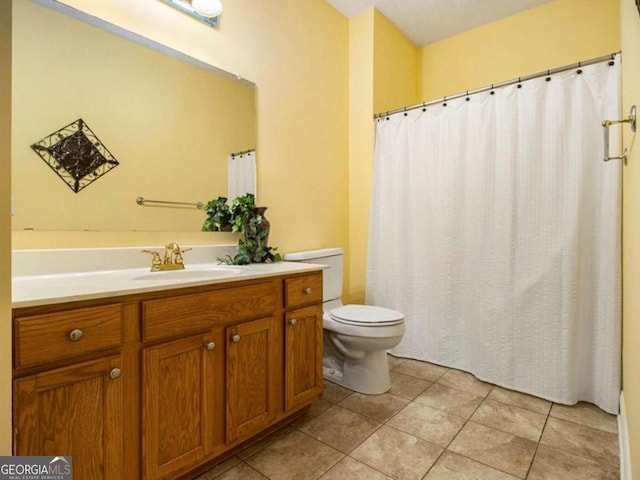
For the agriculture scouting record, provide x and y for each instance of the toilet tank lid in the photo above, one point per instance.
(312, 254)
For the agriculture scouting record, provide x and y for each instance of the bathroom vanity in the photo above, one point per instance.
(155, 378)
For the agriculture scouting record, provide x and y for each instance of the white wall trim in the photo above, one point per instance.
(623, 442)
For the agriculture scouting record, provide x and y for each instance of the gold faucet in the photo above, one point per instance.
(172, 258)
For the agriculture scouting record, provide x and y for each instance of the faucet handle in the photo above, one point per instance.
(156, 261)
(178, 254)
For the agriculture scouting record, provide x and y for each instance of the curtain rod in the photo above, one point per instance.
(243, 152)
(546, 73)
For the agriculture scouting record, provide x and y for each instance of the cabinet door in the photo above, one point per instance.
(76, 411)
(253, 349)
(303, 356)
(180, 379)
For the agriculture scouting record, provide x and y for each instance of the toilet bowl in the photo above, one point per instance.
(356, 337)
(356, 340)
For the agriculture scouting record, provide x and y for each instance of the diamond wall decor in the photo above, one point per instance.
(76, 155)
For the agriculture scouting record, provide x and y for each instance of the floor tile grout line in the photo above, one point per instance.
(518, 406)
(538, 444)
(504, 431)
(365, 463)
(258, 440)
(359, 443)
(493, 467)
(474, 459)
(394, 369)
(574, 453)
(376, 419)
(385, 423)
(450, 442)
(617, 467)
(460, 389)
(344, 455)
(327, 470)
(410, 401)
(254, 469)
(582, 424)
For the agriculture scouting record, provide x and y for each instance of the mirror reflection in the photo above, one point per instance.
(171, 125)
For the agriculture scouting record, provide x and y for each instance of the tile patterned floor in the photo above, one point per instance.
(434, 424)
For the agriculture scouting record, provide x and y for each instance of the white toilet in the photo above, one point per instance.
(356, 337)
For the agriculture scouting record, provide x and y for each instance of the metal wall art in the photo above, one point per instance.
(76, 155)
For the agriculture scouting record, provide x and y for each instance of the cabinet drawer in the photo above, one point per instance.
(177, 316)
(56, 336)
(303, 290)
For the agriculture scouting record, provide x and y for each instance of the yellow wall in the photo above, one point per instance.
(384, 73)
(360, 146)
(297, 54)
(168, 123)
(630, 33)
(315, 128)
(396, 67)
(552, 35)
(5, 228)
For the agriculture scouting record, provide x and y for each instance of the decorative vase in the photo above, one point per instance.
(265, 225)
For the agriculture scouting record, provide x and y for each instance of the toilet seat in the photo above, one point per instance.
(366, 316)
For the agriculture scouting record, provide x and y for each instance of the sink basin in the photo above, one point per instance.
(195, 272)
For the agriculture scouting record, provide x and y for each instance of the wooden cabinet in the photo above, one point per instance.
(253, 366)
(303, 356)
(154, 385)
(52, 337)
(69, 388)
(78, 411)
(178, 393)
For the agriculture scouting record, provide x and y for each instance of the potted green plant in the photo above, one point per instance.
(252, 245)
(218, 216)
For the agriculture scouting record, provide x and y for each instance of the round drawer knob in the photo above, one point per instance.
(115, 373)
(293, 321)
(235, 338)
(75, 335)
(211, 345)
(307, 291)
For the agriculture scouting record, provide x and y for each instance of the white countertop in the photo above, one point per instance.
(35, 290)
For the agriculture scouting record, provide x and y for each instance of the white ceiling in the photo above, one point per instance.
(427, 21)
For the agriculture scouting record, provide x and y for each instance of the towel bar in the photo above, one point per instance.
(142, 201)
(631, 119)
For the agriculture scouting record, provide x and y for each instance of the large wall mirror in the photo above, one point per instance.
(171, 123)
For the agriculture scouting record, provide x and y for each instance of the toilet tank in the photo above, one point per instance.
(332, 276)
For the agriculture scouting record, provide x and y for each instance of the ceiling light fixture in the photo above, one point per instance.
(207, 8)
(206, 11)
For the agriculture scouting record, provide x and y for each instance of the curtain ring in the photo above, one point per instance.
(444, 100)
(519, 82)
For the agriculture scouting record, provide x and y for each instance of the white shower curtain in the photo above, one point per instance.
(495, 228)
(241, 174)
